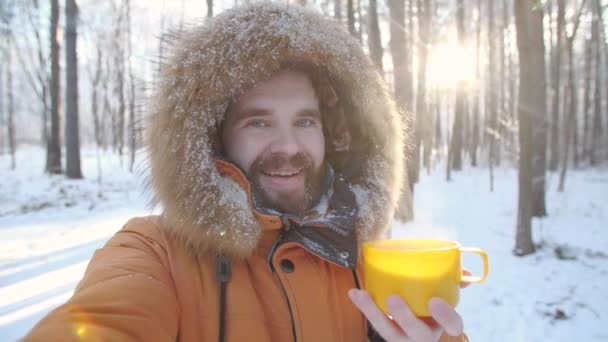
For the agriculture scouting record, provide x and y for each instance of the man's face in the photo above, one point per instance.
(274, 133)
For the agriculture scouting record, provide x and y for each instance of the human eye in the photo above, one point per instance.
(257, 123)
(305, 123)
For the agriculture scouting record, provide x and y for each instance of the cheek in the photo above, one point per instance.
(314, 143)
(243, 149)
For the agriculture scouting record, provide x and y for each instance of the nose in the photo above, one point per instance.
(285, 141)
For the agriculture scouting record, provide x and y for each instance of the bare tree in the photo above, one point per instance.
(374, 40)
(572, 96)
(539, 161)
(350, 9)
(10, 98)
(53, 156)
(132, 121)
(461, 93)
(7, 12)
(556, 83)
(531, 110)
(596, 131)
(421, 138)
(95, 96)
(492, 129)
(587, 97)
(476, 95)
(72, 141)
(338, 10)
(2, 104)
(359, 21)
(34, 66)
(118, 127)
(401, 87)
(427, 15)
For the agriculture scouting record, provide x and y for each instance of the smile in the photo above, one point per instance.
(282, 173)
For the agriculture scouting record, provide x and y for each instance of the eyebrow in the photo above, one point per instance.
(247, 113)
(257, 112)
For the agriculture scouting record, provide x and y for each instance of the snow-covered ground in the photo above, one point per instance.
(49, 228)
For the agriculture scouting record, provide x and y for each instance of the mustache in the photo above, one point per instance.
(281, 160)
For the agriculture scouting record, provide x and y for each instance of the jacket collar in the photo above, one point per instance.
(327, 230)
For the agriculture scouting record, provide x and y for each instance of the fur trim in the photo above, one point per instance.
(214, 63)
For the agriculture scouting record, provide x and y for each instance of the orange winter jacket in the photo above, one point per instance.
(214, 266)
(144, 285)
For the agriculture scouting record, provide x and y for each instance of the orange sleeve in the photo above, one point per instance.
(126, 294)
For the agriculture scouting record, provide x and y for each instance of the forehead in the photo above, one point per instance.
(287, 88)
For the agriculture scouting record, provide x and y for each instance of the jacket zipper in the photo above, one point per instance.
(293, 323)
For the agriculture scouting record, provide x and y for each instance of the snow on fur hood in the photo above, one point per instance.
(211, 64)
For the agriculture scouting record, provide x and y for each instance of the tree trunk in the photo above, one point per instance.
(531, 110)
(53, 156)
(72, 142)
(512, 74)
(573, 101)
(410, 95)
(10, 99)
(587, 98)
(132, 121)
(119, 64)
(405, 210)
(94, 98)
(2, 108)
(350, 8)
(438, 131)
(448, 167)
(505, 65)
(539, 155)
(604, 43)
(338, 10)
(209, 8)
(556, 80)
(596, 132)
(461, 93)
(424, 8)
(107, 108)
(360, 21)
(491, 94)
(374, 39)
(423, 109)
(500, 80)
(476, 97)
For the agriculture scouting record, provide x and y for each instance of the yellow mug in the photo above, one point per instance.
(416, 270)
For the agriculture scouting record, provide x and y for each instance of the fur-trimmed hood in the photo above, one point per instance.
(211, 64)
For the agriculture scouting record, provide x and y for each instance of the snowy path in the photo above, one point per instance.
(50, 227)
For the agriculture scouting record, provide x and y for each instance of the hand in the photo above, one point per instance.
(405, 326)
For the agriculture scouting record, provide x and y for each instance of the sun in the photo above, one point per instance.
(450, 63)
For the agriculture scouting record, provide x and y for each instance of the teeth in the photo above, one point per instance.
(284, 173)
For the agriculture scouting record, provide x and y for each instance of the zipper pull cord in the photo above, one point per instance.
(223, 273)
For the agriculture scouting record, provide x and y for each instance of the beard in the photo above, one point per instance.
(287, 201)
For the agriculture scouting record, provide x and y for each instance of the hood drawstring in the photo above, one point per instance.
(223, 274)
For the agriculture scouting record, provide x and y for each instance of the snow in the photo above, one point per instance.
(523, 299)
(50, 226)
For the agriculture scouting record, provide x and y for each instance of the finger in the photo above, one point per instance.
(446, 316)
(415, 328)
(465, 272)
(377, 318)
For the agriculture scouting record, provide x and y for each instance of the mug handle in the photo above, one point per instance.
(484, 258)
